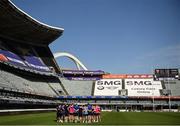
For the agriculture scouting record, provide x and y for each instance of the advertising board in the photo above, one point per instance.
(108, 87)
(143, 87)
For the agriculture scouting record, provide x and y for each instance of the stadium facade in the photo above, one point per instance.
(31, 78)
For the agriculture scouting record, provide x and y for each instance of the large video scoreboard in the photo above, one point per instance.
(166, 73)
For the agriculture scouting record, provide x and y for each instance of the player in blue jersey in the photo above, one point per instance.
(66, 107)
(76, 108)
(89, 113)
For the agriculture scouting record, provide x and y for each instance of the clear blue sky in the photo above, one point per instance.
(117, 36)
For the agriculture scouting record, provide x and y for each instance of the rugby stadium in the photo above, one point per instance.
(32, 81)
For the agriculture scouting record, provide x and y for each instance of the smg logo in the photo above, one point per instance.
(138, 83)
(108, 82)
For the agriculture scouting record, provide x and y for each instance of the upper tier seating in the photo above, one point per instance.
(36, 63)
(28, 62)
(13, 58)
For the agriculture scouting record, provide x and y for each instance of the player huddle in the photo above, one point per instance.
(78, 113)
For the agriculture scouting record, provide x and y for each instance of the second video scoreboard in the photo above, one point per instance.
(166, 73)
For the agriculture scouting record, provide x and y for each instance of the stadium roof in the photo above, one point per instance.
(16, 25)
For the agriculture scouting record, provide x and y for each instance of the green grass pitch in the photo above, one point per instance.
(108, 118)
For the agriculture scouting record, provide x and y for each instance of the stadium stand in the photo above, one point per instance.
(160, 102)
(48, 86)
(73, 87)
(24, 57)
(117, 101)
(175, 102)
(31, 78)
(173, 86)
(36, 86)
(145, 101)
(102, 101)
(56, 88)
(14, 82)
(28, 70)
(131, 102)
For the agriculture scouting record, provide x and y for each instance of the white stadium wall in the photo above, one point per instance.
(142, 87)
(107, 87)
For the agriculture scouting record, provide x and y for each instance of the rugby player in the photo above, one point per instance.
(71, 113)
(76, 109)
(97, 113)
(66, 119)
(80, 114)
(89, 113)
(85, 114)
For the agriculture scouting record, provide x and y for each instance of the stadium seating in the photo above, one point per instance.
(145, 102)
(29, 61)
(29, 73)
(23, 100)
(56, 87)
(117, 101)
(131, 102)
(160, 102)
(77, 87)
(174, 86)
(102, 101)
(13, 58)
(175, 102)
(87, 101)
(42, 88)
(36, 86)
(35, 63)
(6, 81)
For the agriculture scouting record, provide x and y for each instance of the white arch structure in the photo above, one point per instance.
(78, 63)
